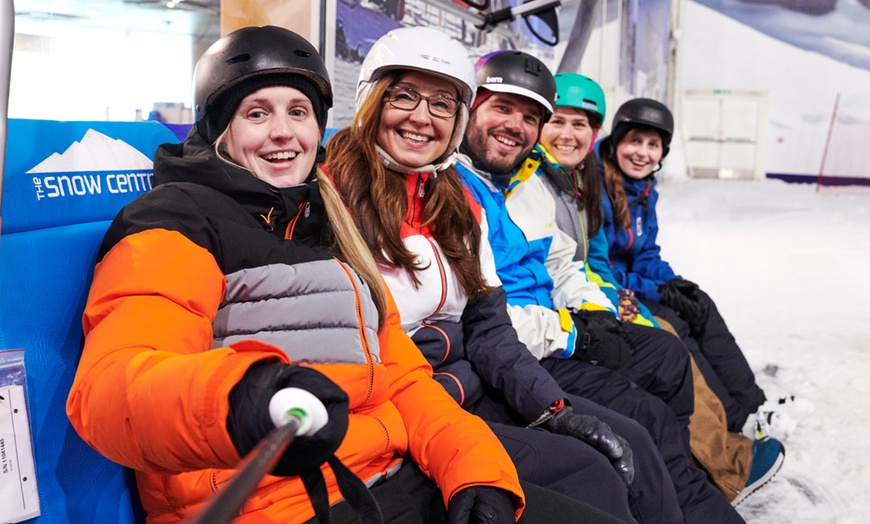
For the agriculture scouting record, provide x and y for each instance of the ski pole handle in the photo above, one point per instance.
(294, 412)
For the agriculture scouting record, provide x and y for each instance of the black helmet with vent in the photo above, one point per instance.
(249, 59)
(518, 73)
(643, 112)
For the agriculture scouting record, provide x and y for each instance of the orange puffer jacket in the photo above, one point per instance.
(151, 392)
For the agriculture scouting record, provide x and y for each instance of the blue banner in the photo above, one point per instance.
(60, 173)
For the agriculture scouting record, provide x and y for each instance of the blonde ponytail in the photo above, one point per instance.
(351, 243)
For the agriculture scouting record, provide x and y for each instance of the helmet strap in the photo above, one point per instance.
(394, 165)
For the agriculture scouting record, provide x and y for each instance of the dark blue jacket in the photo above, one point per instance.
(634, 256)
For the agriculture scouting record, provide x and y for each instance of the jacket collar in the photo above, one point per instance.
(194, 161)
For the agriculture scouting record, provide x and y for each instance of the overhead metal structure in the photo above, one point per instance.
(7, 35)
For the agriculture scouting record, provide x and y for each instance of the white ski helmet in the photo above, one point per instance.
(422, 49)
(429, 51)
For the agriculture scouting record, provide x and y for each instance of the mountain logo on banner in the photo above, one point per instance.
(95, 152)
(100, 163)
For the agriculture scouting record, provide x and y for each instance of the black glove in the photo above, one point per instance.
(249, 422)
(597, 434)
(684, 297)
(600, 318)
(485, 504)
(599, 342)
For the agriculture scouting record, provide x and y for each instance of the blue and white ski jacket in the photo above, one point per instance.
(534, 259)
(573, 222)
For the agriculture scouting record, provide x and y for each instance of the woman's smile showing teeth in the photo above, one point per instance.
(407, 135)
(282, 155)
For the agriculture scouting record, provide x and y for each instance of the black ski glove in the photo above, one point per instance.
(484, 504)
(597, 434)
(249, 422)
(599, 342)
(601, 319)
(684, 297)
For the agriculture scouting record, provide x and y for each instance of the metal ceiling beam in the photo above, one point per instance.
(7, 37)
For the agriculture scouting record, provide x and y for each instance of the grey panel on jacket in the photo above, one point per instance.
(308, 309)
(568, 219)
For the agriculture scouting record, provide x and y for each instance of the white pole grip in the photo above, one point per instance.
(298, 403)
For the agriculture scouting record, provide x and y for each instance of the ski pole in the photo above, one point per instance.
(294, 412)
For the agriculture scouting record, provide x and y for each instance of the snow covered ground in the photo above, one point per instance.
(787, 266)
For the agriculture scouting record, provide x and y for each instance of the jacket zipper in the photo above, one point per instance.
(419, 193)
(362, 331)
(443, 275)
(288, 233)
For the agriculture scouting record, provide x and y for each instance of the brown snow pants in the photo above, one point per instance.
(726, 457)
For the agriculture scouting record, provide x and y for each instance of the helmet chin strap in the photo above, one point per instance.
(393, 165)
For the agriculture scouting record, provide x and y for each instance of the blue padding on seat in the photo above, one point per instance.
(63, 183)
(179, 130)
(327, 134)
(44, 280)
(59, 173)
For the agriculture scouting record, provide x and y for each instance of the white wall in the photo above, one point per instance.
(716, 52)
(97, 74)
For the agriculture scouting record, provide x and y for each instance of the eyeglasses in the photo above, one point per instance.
(406, 99)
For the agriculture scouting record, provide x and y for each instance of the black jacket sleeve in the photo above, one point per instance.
(502, 361)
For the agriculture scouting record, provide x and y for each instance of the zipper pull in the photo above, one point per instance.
(421, 187)
(268, 220)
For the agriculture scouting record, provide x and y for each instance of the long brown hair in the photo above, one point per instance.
(378, 201)
(591, 200)
(615, 184)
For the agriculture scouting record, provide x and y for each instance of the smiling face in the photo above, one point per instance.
(639, 153)
(502, 131)
(275, 135)
(568, 136)
(414, 137)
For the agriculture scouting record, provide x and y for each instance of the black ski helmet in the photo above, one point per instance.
(249, 59)
(518, 73)
(643, 112)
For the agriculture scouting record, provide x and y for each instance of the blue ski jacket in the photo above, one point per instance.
(634, 256)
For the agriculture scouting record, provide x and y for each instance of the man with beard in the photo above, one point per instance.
(558, 314)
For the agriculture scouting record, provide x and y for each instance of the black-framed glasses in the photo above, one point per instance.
(406, 99)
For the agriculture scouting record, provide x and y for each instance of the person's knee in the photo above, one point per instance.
(556, 460)
(658, 352)
(648, 418)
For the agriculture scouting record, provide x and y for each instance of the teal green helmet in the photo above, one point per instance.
(581, 92)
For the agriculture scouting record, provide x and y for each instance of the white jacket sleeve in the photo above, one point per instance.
(532, 207)
(544, 331)
(487, 259)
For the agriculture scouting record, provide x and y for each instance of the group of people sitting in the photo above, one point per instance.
(464, 277)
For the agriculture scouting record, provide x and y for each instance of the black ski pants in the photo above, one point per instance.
(699, 500)
(721, 361)
(569, 466)
(409, 497)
